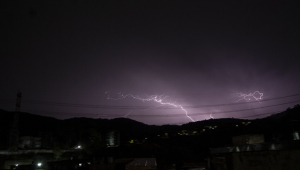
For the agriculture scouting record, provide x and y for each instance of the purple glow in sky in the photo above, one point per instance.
(162, 100)
(248, 97)
(64, 56)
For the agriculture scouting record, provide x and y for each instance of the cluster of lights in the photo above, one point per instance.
(39, 164)
(246, 123)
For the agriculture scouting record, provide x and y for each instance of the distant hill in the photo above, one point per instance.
(74, 130)
(288, 114)
(29, 124)
(213, 122)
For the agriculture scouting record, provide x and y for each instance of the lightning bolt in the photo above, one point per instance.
(211, 115)
(156, 98)
(127, 113)
(258, 96)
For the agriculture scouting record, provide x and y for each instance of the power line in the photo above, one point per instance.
(144, 107)
(248, 102)
(65, 113)
(257, 115)
(173, 115)
(270, 113)
(242, 110)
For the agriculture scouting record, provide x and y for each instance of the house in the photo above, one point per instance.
(142, 164)
(259, 156)
(29, 142)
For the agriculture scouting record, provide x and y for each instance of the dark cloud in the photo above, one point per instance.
(195, 52)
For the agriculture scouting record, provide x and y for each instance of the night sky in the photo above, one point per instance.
(67, 56)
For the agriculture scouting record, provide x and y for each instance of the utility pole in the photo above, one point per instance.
(14, 135)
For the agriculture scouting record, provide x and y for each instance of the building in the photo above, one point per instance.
(248, 139)
(113, 138)
(29, 142)
(142, 164)
(261, 156)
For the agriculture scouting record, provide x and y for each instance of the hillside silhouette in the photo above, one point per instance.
(212, 133)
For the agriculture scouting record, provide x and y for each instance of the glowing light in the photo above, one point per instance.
(255, 95)
(127, 113)
(211, 115)
(296, 135)
(39, 164)
(156, 98)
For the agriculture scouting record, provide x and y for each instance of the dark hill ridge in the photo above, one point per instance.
(31, 123)
(37, 122)
(289, 114)
(73, 130)
(7, 117)
(213, 122)
(36, 125)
